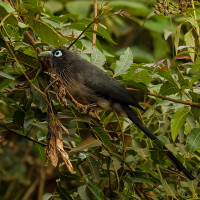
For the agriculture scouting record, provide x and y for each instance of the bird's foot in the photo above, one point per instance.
(86, 108)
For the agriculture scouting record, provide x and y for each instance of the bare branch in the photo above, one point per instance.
(164, 97)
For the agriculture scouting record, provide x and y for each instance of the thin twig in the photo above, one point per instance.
(24, 136)
(164, 97)
(81, 34)
(95, 24)
(31, 139)
(12, 90)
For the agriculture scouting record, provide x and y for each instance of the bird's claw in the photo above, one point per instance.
(86, 108)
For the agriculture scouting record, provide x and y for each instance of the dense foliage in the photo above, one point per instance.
(152, 50)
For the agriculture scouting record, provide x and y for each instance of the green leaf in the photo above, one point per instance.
(178, 121)
(67, 176)
(142, 180)
(94, 168)
(96, 191)
(98, 58)
(46, 32)
(29, 8)
(124, 63)
(181, 79)
(40, 100)
(193, 185)
(41, 150)
(87, 143)
(82, 193)
(103, 136)
(195, 110)
(193, 22)
(140, 86)
(177, 36)
(18, 117)
(168, 88)
(101, 30)
(193, 140)
(116, 163)
(72, 16)
(190, 41)
(32, 2)
(27, 60)
(5, 10)
(5, 75)
(11, 101)
(139, 77)
(168, 188)
(63, 193)
(4, 84)
(167, 75)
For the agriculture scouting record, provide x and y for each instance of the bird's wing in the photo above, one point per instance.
(104, 85)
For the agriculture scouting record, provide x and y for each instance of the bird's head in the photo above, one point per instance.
(58, 57)
(57, 54)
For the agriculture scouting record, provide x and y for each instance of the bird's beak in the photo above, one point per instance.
(46, 54)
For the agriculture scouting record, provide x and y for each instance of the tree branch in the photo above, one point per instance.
(12, 90)
(164, 97)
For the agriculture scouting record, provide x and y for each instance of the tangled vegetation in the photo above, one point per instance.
(151, 47)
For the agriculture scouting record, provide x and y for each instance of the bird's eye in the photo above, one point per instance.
(57, 53)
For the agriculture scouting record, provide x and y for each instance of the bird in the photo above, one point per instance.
(90, 85)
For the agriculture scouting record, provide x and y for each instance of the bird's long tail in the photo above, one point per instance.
(132, 116)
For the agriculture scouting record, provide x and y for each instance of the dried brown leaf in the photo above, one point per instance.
(55, 145)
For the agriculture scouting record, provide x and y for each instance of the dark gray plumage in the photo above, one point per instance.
(89, 84)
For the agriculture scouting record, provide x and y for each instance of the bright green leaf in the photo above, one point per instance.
(193, 140)
(193, 185)
(178, 121)
(168, 188)
(5, 10)
(5, 75)
(190, 41)
(41, 150)
(168, 88)
(139, 77)
(46, 32)
(124, 63)
(98, 58)
(177, 36)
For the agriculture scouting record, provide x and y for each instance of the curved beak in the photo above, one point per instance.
(46, 54)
